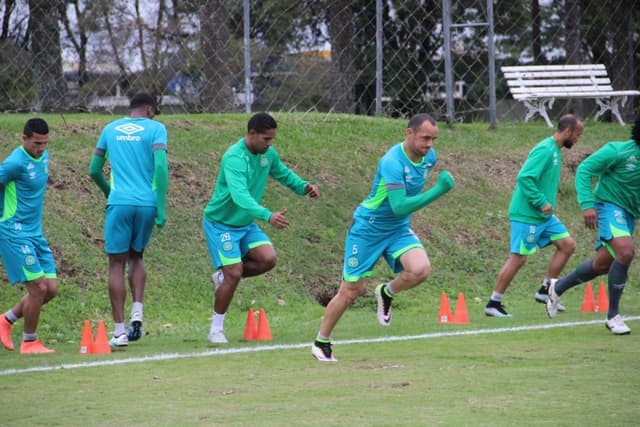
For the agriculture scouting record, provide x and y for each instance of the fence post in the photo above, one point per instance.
(247, 58)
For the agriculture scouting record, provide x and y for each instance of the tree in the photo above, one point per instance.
(341, 33)
(48, 77)
(217, 95)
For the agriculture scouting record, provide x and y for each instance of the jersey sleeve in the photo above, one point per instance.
(286, 176)
(9, 170)
(593, 166)
(530, 173)
(391, 174)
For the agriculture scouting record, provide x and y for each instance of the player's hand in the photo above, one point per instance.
(312, 191)
(547, 209)
(590, 218)
(161, 218)
(445, 181)
(278, 219)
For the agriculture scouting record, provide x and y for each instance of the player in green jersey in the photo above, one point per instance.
(238, 247)
(532, 213)
(612, 206)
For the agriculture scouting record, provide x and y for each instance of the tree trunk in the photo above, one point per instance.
(217, 95)
(48, 77)
(342, 96)
(572, 25)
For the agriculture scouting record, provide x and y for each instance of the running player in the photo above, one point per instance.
(381, 228)
(238, 247)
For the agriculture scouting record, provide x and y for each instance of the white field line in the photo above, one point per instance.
(224, 351)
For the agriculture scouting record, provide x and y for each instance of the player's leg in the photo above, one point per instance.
(143, 223)
(555, 233)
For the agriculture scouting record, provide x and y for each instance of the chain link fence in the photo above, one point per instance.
(385, 57)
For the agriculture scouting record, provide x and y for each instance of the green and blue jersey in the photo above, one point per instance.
(537, 183)
(395, 171)
(241, 183)
(23, 181)
(129, 144)
(617, 168)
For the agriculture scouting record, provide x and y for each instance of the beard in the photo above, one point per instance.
(567, 143)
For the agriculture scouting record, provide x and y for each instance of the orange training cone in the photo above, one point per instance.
(444, 316)
(101, 345)
(86, 342)
(461, 315)
(588, 304)
(250, 328)
(264, 332)
(603, 299)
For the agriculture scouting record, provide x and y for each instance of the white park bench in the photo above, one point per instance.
(538, 86)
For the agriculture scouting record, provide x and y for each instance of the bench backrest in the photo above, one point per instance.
(535, 80)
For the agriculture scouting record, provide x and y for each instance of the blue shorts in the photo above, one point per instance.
(128, 228)
(365, 244)
(613, 221)
(27, 259)
(229, 245)
(525, 238)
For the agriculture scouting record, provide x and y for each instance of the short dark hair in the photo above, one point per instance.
(417, 120)
(568, 121)
(143, 99)
(635, 130)
(261, 122)
(35, 125)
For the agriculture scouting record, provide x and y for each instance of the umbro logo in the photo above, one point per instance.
(129, 129)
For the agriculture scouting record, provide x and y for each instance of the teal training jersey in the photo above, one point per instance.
(129, 144)
(537, 183)
(23, 181)
(241, 183)
(395, 171)
(617, 167)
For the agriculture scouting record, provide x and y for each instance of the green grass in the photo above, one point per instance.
(576, 375)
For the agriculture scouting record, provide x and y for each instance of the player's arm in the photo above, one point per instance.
(286, 176)
(403, 205)
(593, 166)
(529, 174)
(95, 171)
(161, 180)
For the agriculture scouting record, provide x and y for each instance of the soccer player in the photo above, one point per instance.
(238, 247)
(381, 228)
(136, 147)
(24, 250)
(532, 213)
(612, 207)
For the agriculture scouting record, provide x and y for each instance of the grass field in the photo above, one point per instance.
(526, 370)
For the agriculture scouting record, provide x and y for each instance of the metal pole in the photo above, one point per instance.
(448, 66)
(492, 67)
(247, 59)
(378, 57)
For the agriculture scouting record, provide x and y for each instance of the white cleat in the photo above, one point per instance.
(617, 325)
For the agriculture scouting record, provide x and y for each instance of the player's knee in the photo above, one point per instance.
(269, 262)
(422, 272)
(52, 290)
(625, 254)
(568, 246)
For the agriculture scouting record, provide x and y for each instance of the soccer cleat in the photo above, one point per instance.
(120, 342)
(323, 352)
(216, 279)
(135, 327)
(553, 300)
(617, 325)
(217, 337)
(543, 294)
(384, 305)
(5, 333)
(34, 347)
(495, 309)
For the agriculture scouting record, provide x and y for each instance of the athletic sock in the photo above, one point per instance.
(584, 272)
(118, 329)
(29, 337)
(617, 278)
(217, 323)
(11, 317)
